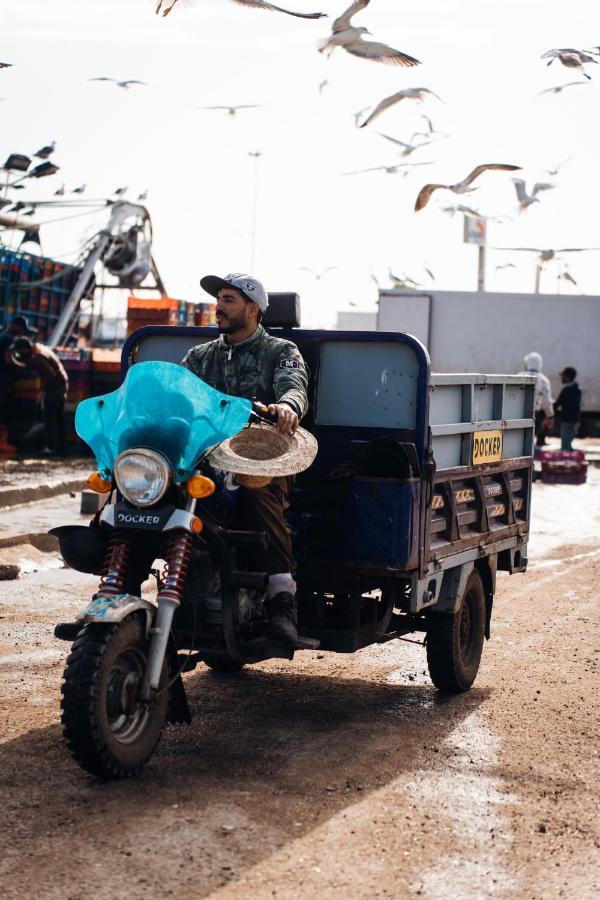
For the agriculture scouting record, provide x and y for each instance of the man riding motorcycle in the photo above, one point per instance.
(246, 361)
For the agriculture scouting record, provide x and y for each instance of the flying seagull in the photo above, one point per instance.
(430, 130)
(406, 94)
(6, 65)
(505, 266)
(547, 255)
(318, 275)
(79, 190)
(256, 4)
(572, 59)
(120, 191)
(561, 87)
(408, 148)
(231, 110)
(350, 38)
(357, 116)
(45, 152)
(566, 276)
(390, 170)
(526, 199)
(473, 213)
(402, 281)
(465, 210)
(122, 84)
(461, 187)
(557, 168)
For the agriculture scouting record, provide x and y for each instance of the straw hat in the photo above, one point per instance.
(254, 482)
(262, 450)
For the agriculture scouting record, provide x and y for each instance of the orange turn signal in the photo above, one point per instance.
(97, 483)
(199, 486)
(197, 525)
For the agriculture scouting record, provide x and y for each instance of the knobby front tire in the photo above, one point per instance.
(109, 732)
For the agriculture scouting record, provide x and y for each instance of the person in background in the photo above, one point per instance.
(55, 383)
(568, 407)
(18, 327)
(544, 410)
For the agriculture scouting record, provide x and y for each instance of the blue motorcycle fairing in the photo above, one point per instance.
(163, 407)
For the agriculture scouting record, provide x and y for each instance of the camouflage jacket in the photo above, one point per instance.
(264, 368)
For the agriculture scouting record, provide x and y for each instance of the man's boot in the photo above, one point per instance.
(283, 618)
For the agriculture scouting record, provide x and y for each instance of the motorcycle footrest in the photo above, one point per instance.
(266, 648)
(67, 631)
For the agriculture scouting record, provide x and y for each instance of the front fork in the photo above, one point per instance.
(177, 558)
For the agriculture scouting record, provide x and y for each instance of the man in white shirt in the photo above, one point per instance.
(543, 404)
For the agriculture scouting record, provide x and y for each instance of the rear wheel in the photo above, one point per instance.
(455, 640)
(109, 730)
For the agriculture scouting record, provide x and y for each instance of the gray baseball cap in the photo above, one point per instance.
(249, 286)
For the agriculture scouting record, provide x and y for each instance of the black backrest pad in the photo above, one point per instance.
(283, 311)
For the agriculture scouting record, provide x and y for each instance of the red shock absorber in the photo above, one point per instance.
(112, 577)
(177, 557)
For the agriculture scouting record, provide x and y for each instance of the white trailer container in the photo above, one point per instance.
(492, 332)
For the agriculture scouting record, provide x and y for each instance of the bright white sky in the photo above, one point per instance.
(480, 56)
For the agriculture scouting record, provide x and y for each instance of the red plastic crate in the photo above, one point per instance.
(563, 466)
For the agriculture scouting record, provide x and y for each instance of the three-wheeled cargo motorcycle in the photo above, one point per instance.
(419, 494)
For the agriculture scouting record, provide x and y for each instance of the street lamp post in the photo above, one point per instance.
(257, 155)
(475, 232)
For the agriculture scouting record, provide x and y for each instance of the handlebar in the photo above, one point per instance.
(260, 413)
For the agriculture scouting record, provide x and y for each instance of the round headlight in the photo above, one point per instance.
(142, 476)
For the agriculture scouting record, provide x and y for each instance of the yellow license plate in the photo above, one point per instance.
(487, 447)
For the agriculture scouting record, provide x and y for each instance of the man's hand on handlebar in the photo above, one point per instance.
(287, 419)
(279, 414)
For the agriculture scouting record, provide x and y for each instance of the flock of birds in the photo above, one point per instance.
(29, 208)
(351, 38)
(347, 36)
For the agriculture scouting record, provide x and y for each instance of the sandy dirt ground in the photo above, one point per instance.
(331, 776)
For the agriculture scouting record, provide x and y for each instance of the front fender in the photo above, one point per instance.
(108, 610)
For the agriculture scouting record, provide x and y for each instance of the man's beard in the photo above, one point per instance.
(230, 326)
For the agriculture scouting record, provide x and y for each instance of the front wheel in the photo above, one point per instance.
(455, 640)
(109, 730)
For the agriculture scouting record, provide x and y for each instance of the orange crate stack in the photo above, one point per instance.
(141, 311)
(204, 314)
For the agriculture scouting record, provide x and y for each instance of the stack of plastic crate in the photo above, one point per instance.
(563, 466)
(36, 287)
(205, 314)
(186, 313)
(141, 311)
(78, 364)
(106, 371)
